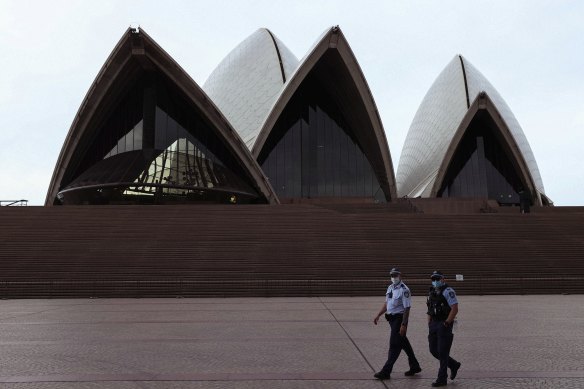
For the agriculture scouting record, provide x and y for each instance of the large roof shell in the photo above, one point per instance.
(249, 79)
(372, 136)
(437, 121)
(137, 47)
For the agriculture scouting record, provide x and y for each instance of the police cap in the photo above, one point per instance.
(437, 275)
(395, 270)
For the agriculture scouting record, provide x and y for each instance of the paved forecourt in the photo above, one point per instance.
(327, 342)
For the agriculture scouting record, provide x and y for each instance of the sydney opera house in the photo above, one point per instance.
(265, 128)
(268, 128)
(275, 178)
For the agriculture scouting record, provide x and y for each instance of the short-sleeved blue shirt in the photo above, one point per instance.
(450, 296)
(398, 298)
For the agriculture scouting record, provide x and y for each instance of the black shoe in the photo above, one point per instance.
(454, 371)
(438, 383)
(381, 376)
(412, 371)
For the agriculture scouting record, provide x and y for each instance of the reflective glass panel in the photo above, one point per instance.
(170, 153)
(481, 166)
(312, 152)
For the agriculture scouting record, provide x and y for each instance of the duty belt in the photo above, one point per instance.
(393, 316)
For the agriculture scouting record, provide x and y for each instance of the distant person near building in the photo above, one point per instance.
(524, 201)
(398, 300)
(442, 310)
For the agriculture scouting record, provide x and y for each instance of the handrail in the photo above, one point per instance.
(13, 203)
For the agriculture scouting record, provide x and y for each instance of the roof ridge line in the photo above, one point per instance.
(279, 56)
(465, 81)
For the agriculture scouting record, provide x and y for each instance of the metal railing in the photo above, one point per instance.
(13, 203)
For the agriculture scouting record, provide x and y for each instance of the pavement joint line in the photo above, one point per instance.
(183, 310)
(145, 376)
(351, 339)
(298, 376)
(165, 340)
(42, 323)
(38, 312)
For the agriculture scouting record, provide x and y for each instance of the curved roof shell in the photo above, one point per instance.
(439, 119)
(249, 79)
(343, 73)
(138, 50)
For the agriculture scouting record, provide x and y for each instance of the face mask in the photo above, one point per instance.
(437, 283)
(395, 280)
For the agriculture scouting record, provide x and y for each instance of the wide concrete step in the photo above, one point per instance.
(285, 250)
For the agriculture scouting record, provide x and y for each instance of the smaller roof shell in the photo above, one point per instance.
(437, 121)
(248, 80)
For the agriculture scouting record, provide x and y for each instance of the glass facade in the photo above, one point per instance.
(156, 148)
(482, 167)
(478, 83)
(312, 152)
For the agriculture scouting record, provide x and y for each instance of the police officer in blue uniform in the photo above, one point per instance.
(398, 300)
(442, 309)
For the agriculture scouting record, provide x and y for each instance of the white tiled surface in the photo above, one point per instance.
(247, 82)
(431, 131)
(436, 122)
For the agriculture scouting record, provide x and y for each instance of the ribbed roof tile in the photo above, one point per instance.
(249, 79)
(437, 120)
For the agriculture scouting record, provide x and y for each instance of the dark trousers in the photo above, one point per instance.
(396, 344)
(440, 341)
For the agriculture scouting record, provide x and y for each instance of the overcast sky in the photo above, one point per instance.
(531, 51)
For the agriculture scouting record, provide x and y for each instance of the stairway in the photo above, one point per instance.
(283, 250)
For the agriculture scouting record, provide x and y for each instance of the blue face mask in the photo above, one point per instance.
(437, 283)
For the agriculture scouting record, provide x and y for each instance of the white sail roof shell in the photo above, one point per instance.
(437, 120)
(246, 83)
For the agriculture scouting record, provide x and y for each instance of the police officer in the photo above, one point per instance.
(442, 309)
(396, 308)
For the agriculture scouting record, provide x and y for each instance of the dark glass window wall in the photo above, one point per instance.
(481, 166)
(312, 152)
(160, 149)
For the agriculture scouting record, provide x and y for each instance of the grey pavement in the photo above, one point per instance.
(327, 342)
